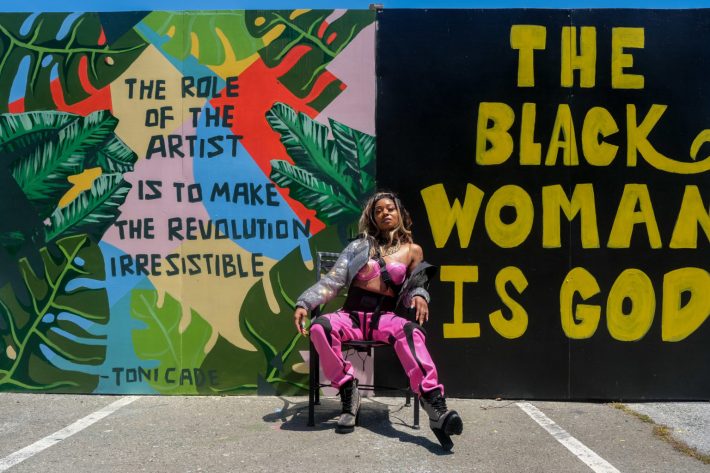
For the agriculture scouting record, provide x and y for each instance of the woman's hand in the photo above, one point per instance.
(422, 309)
(299, 318)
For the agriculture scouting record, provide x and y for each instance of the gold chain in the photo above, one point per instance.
(390, 250)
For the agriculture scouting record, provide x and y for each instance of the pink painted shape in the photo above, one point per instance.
(355, 67)
(160, 210)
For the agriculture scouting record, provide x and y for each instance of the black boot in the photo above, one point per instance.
(350, 397)
(442, 421)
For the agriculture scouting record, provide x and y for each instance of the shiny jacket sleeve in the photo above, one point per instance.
(329, 285)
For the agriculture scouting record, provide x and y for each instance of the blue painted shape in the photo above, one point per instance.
(28, 23)
(81, 340)
(67, 24)
(19, 84)
(85, 324)
(48, 318)
(230, 169)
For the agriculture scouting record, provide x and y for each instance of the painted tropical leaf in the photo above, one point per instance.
(309, 37)
(50, 335)
(271, 369)
(45, 149)
(212, 36)
(38, 49)
(331, 177)
(357, 150)
(162, 340)
(93, 211)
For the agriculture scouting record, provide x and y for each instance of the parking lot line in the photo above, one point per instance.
(42, 444)
(581, 451)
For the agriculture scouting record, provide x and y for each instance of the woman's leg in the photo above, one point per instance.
(409, 340)
(328, 332)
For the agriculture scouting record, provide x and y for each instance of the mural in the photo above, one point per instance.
(569, 207)
(166, 178)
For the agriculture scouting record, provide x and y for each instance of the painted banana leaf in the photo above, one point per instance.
(212, 36)
(316, 42)
(51, 335)
(40, 48)
(45, 149)
(163, 341)
(332, 177)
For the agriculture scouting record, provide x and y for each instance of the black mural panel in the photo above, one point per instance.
(555, 165)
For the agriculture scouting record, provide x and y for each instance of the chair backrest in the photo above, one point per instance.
(325, 261)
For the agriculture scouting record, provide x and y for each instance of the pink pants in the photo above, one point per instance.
(329, 331)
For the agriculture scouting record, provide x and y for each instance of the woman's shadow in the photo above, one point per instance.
(376, 416)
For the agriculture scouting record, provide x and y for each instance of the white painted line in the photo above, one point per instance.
(581, 451)
(25, 453)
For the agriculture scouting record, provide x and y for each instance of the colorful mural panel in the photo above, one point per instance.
(166, 179)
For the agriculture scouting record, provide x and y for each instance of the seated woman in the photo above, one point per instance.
(383, 271)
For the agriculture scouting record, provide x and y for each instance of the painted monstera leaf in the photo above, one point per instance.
(70, 168)
(213, 37)
(277, 367)
(331, 177)
(308, 37)
(177, 344)
(51, 333)
(39, 49)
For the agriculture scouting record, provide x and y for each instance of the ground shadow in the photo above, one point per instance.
(379, 417)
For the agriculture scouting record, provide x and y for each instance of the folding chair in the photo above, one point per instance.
(324, 262)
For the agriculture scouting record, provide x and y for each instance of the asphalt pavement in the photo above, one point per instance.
(62, 433)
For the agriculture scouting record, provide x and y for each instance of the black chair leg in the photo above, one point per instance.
(312, 385)
(416, 411)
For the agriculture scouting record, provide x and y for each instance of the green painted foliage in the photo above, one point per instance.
(200, 29)
(331, 177)
(35, 337)
(46, 148)
(162, 340)
(322, 42)
(56, 44)
(270, 369)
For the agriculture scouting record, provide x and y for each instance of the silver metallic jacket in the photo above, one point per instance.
(350, 261)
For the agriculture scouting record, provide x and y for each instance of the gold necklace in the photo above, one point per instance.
(390, 250)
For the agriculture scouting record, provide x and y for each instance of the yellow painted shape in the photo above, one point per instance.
(296, 13)
(554, 200)
(82, 182)
(582, 322)
(598, 123)
(194, 45)
(634, 196)
(231, 65)
(10, 352)
(171, 31)
(621, 39)
(692, 214)
(259, 21)
(530, 151)
(635, 285)
(443, 217)
(460, 275)
(702, 138)
(151, 65)
(567, 143)
(274, 33)
(217, 299)
(526, 39)
(500, 116)
(517, 324)
(681, 321)
(509, 235)
(583, 58)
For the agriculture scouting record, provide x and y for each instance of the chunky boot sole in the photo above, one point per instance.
(347, 429)
(453, 425)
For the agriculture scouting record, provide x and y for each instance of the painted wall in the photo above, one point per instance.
(166, 178)
(556, 165)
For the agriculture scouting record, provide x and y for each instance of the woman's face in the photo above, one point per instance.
(386, 215)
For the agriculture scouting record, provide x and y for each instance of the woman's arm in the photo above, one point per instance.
(419, 303)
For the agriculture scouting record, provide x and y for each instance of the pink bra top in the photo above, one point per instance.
(398, 271)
